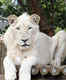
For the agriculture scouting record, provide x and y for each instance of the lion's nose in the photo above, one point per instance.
(24, 40)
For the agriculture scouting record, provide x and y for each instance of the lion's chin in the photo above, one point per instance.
(24, 48)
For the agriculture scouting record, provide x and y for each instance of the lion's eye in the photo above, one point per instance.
(18, 28)
(30, 28)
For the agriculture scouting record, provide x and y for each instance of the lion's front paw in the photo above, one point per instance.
(10, 76)
(56, 63)
(9, 68)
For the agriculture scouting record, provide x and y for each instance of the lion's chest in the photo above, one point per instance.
(17, 60)
(18, 56)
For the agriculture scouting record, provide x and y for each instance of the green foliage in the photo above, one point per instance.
(58, 29)
(57, 9)
(46, 6)
(6, 2)
(24, 2)
(7, 8)
(59, 13)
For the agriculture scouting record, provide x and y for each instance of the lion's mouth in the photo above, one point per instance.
(25, 45)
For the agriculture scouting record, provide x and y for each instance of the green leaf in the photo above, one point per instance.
(43, 6)
(24, 2)
(58, 29)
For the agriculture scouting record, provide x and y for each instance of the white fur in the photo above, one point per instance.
(38, 51)
(59, 43)
(10, 70)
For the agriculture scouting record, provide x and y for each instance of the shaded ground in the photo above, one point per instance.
(48, 77)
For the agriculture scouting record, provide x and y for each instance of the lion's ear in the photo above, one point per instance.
(11, 19)
(35, 18)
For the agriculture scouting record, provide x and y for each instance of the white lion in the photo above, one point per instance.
(26, 46)
(59, 48)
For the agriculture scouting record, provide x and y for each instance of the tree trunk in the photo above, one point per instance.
(34, 4)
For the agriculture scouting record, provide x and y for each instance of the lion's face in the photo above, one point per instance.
(25, 31)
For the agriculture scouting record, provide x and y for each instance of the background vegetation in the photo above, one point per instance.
(52, 12)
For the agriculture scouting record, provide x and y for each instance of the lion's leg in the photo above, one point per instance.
(59, 55)
(9, 68)
(25, 70)
(53, 49)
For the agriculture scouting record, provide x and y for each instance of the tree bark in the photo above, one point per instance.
(34, 4)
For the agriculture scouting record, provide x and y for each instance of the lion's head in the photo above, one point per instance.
(23, 31)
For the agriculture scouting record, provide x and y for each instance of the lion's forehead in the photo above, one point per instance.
(24, 25)
(24, 17)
